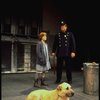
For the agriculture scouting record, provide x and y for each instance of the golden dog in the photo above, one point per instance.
(62, 92)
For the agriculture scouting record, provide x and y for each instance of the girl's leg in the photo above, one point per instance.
(37, 81)
(43, 79)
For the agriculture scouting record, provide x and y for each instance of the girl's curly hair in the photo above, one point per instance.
(42, 34)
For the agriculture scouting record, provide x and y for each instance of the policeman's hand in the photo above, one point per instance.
(53, 54)
(72, 55)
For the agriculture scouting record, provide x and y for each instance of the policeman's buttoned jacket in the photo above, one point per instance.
(64, 44)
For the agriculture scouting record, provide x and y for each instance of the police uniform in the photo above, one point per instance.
(64, 44)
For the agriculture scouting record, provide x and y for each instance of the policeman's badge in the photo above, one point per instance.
(64, 35)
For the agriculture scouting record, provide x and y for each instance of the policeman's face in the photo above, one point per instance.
(64, 28)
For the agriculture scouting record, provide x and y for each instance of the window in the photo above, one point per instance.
(7, 28)
(21, 27)
(6, 25)
(34, 29)
(34, 32)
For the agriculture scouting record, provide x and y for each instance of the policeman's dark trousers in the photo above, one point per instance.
(59, 68)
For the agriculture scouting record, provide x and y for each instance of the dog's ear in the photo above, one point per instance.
(59, 88)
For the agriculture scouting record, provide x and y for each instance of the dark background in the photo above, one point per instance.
(82, 17)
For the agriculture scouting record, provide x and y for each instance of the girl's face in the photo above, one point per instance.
(44, 38)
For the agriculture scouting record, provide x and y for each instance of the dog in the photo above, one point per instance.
(62, 92)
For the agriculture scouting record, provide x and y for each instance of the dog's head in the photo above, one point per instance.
(65, 89)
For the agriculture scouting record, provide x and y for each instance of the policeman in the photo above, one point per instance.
(64, 49)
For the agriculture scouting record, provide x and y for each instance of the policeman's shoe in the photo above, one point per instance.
(70, 82)
(57, 82)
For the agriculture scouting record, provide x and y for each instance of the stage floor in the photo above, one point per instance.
(17, 86)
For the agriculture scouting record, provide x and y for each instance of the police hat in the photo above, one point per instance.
(62, 23)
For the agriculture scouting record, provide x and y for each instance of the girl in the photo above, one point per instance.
(42, 61)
